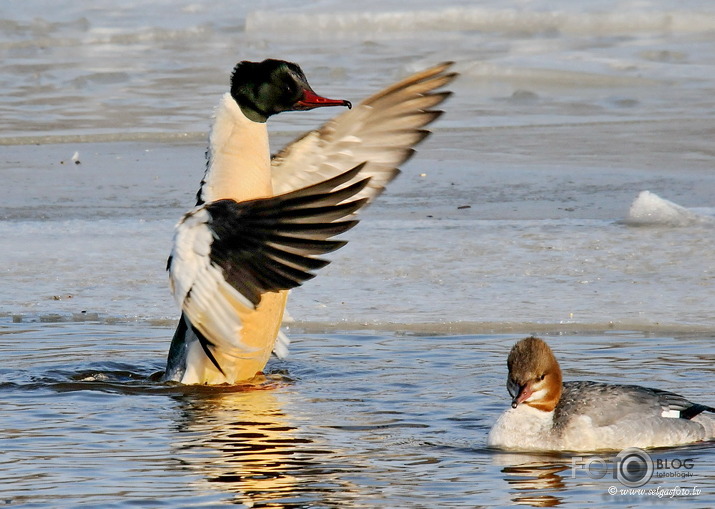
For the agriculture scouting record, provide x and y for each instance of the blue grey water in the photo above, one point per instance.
(523, 213)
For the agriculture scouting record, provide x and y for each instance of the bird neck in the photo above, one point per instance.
(552, 389)
(238, 158)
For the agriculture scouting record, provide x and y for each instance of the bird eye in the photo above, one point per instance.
(289, 89)
(542, 377)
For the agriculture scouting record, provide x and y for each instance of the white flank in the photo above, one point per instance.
(200, 288)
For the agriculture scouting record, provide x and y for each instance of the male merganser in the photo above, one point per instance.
(547, 414)
(259, 222)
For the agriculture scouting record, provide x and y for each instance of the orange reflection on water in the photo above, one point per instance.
(242, 442)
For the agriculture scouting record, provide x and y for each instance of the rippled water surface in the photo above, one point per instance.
(361, 419)
(513, 218)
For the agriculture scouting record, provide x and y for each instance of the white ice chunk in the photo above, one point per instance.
(649, 209)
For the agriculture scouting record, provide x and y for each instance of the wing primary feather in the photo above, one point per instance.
(318, 231)
(382, 131)
(325, 213)
(695, 409)
(292, 276)
(298, 261)
(417, 78)
(273, 243)
(305, 246)
(277, 276)
(328, 184)
(307, 204)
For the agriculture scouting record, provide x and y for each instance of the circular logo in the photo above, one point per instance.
(634, 467)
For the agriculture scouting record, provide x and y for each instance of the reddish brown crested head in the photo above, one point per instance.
(534, 375)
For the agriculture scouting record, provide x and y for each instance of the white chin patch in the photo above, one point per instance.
(536, 395)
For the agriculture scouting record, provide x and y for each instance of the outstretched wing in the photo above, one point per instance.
(226, 254)
(381, 130)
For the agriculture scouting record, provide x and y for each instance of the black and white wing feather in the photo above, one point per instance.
(226, 254)
(381, 130)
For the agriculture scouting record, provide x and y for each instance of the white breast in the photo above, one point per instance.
(522, 428)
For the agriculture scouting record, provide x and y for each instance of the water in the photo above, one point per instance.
(521, 214)
(369, 419)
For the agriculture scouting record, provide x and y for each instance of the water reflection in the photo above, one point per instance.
(243, 443)
(534, 480)
(369, 421)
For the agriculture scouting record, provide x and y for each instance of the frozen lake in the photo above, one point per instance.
(522, 213)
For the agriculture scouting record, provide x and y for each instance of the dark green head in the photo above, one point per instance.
(265, 88)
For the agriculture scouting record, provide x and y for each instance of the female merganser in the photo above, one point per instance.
(547, 414)
(259, 222)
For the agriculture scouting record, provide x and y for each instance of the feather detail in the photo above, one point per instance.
(381, 131)
(227, 255)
